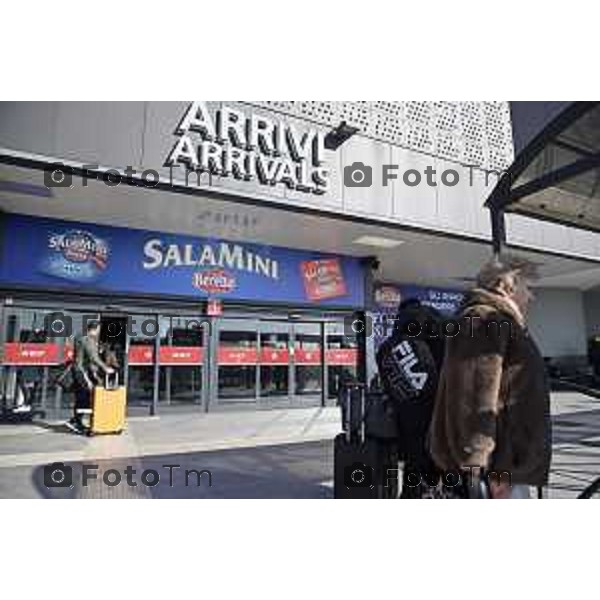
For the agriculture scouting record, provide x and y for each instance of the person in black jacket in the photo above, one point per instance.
(409, 362)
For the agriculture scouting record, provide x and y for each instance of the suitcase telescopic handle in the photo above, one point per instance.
(114, 384)
(348, 423)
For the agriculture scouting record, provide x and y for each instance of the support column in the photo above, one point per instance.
(498, 229)
(155, 390)
(366, 367)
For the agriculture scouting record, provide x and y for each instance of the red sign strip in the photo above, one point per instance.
(140, 355)
(342, 356)
(237, 356)
(23, 354)
(274, 356)
(181, 355)
(307, 357)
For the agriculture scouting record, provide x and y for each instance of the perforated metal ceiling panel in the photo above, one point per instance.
(472, 133)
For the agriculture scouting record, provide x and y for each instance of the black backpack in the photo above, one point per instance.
(409, 366)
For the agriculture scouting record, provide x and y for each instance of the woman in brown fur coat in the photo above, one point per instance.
(493, 403)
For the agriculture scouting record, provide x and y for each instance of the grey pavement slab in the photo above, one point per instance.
(283, 453)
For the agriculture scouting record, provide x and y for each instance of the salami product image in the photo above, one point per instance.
(323, 279)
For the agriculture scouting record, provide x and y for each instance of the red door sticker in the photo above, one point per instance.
(16, 353)
(237, 356)
(274, 356)
(181, 355)
(307, 357)
(140, 355)
(342, 356)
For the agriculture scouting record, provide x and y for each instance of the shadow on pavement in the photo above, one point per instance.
(52, 492)
(54, 427)
(288, 471)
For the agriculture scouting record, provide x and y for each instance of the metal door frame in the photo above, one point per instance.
(319, 325)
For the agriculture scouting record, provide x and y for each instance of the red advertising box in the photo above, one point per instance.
(140, 355)
(237, 356)
(16, 353)
(323, 279)
(181, 355)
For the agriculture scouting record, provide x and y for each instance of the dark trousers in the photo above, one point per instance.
(83, 399)
(419, 475)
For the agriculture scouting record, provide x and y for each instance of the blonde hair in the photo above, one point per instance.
(500, 268)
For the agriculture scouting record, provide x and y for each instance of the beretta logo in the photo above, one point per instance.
(214, 281)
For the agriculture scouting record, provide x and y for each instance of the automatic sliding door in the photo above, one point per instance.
(181, 357)
(274, 360)
(237, 358)
(308, 371)
(341, 356)
(141, 360)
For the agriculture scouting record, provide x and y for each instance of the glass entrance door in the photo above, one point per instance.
(141, 355)
(268, 362)
(235, 368)
(35, 344)
(181, 360)
(341, 355)
(307, 361)
(275, 362)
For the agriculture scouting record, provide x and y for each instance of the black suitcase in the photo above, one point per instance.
(364, 467)
(364, 470)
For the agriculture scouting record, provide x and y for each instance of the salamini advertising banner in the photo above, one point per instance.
(62, 255)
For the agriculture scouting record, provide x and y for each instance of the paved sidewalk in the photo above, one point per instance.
(261, 454)
(36, 444)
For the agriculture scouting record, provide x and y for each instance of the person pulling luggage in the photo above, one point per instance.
(87, 364)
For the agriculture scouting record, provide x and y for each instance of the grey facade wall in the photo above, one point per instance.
(472, 138)
(591, 302)
(558, 323)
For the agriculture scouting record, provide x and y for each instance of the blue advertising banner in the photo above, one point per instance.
(389, 296)
(63, 255)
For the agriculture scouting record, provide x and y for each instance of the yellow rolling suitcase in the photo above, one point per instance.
(108, 407)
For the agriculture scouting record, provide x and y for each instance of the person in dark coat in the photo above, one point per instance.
(409, 362)
(492, 410)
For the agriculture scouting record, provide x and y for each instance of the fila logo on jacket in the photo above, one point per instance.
(407, 360)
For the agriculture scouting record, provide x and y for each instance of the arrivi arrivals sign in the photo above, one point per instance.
(229, 142)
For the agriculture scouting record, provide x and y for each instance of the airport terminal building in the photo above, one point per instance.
(226, 245)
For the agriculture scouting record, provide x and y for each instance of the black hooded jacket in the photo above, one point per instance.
(409, 363)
